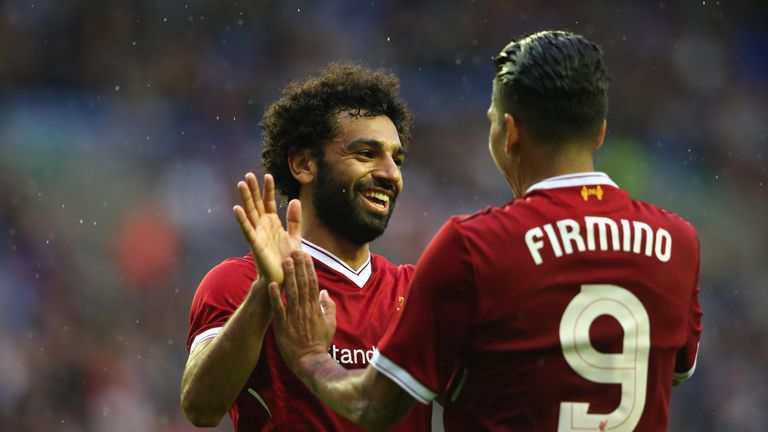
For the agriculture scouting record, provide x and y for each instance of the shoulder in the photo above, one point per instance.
(383, 265)
(232, 268)
(667, 217)
(490, 214)
(229, 280)
(490, 222)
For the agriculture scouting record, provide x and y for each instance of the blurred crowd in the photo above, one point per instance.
(124, 127)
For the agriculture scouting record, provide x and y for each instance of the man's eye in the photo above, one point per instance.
(399, 161)
(366, 153)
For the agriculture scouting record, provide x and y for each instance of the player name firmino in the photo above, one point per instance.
(600, 233)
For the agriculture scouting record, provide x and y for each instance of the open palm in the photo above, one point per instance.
(262, 229)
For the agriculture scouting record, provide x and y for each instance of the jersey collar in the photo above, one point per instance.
(575, 179)
(359, 277)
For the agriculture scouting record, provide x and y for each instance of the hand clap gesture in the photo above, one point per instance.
(261, 226)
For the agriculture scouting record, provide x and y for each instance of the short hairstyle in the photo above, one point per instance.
(303, 117)
(555, 84)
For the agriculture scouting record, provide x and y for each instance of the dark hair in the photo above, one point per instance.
(303, 116)
(555, 84)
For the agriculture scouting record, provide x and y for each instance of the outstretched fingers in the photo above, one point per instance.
(270, 204)
(309, 271)
(328, 309)
(289, 282)
(301, 275)
(248, 205)
(293, 220)
(253, 185)
(246, 226)
(276, 302)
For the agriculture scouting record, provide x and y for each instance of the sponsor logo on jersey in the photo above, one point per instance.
(349, 356)
(399, 303)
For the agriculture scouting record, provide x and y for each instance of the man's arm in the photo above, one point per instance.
(217, 369)
(685, 362)
(364, 396)
(305, 326)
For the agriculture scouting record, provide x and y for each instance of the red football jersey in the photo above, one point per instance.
(273, 398)
(572, 308)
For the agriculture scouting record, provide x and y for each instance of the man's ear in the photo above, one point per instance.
(601, 137)
(512, 134)
(303, 166)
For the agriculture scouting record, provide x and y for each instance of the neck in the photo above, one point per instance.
(545, 165)
(353, 254)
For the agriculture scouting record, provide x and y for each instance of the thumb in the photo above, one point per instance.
(327, 305)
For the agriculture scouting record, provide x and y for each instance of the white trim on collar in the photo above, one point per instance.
(359, 277)
(576, 179)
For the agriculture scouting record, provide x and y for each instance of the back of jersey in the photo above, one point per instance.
(587, 308)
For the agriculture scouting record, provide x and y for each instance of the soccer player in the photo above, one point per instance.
(571, 308)
(336, 142)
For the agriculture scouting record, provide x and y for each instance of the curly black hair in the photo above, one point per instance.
(302, 117)
(555, 83)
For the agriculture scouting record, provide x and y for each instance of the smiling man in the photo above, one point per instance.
(336, 142)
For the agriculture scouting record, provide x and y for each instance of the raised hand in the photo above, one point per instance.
(306, 323)
(262, 229)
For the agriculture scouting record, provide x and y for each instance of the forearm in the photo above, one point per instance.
(363, 396)
(215, 375)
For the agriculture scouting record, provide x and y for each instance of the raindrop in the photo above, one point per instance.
(388, 39)
(117, 88)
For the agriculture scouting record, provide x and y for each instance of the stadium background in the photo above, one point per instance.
(125, 125)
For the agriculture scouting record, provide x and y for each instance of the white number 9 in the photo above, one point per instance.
(628, 368)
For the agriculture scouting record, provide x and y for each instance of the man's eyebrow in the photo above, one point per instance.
(370, 142)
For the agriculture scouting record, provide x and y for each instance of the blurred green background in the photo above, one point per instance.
(124, 127)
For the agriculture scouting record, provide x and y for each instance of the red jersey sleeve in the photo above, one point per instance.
(218, 295)
(685, 362)
(420, 350)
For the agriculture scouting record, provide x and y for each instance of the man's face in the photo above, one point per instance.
(358, 178)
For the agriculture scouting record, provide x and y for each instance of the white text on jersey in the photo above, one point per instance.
(565, 237)
(346, 356)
